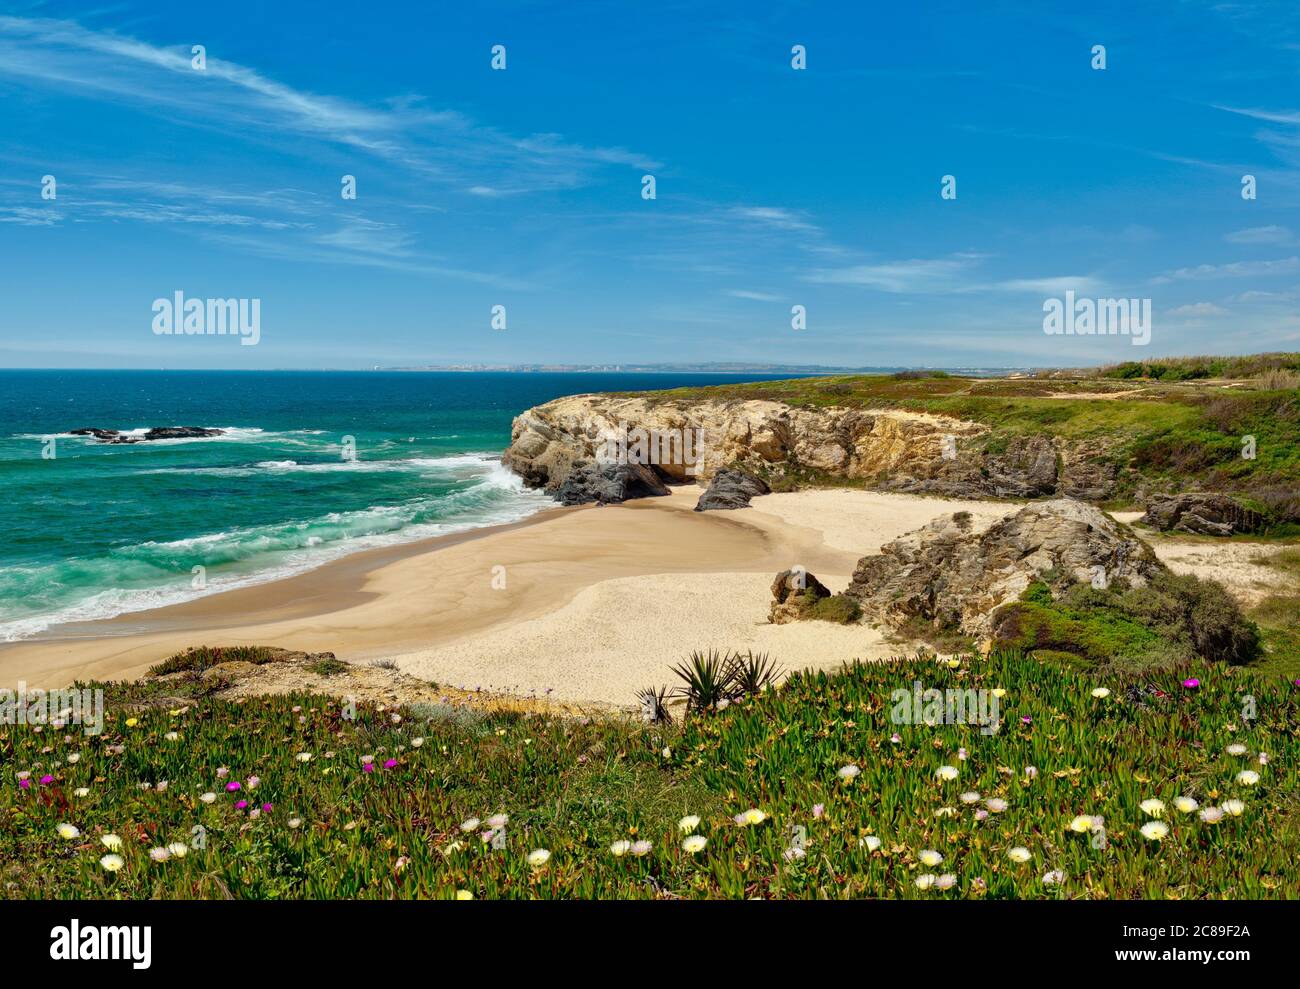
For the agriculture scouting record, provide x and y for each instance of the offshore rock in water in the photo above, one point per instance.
(157, 433)
(731, 488)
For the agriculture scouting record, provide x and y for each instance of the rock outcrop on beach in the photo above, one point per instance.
(951, 575)
(1203, 513)
(157, 433)
(608, 484)
(731, 489)
(889, 449)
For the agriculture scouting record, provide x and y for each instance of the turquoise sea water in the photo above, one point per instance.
(100, 530)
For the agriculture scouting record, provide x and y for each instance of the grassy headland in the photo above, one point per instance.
(1175, 425)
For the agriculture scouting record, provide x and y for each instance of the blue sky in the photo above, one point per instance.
(522, 187)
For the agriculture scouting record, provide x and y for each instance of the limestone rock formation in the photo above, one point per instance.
(608, 484)
(952, 576)
(793, 591)
(731, 488)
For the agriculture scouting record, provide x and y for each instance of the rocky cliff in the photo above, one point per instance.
(891, 450)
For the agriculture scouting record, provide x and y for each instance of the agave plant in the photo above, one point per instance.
(707, 677)
(654, 705)
(753, 673)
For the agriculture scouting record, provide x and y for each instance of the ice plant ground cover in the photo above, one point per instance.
(283, 796)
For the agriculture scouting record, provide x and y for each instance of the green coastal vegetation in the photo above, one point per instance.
(811, 789)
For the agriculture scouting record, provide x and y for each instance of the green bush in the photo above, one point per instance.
(837, 608)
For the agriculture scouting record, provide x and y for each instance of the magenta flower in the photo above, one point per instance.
(24, 784)
(1191, 683)
(1027, 720)
(241, 805)
(390, 764)
(46, 780)
(266, 808)
(368, 767)
(818, 810)
(232, 786)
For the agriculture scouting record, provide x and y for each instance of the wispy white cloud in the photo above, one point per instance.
(948, 275)
(1235, 269)
(1271, 235)
(1197, 310)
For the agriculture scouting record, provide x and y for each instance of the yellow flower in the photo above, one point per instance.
(464, 894)
(930, 858)
(69, 831)
(1100, 692)
(998, 692)
(1234, 807)
(688, 823)
(1081, 824)
(1185, 805)
(111, 841)
(132, 722)
(751, 816)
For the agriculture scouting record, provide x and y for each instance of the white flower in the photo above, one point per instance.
(159, 854)
(417, 742)
(172, 736)
(303, 757)
(1212, 815)
(1185, 805)
(1031, 772)
(848, 772)
(1053, 878)
(74, 757)
(1234, 807)
(667, 753)
(793, 853)
(1154, 830)
(751, 816)
(946, 812)
(498, 821)
(111, 863)
(871, 843)
(688, 823)
(694, 844)
(996, 804)
(1100, 691)
(1082, 824)
(295, 822)
(178, 849)
(208, 798)
(110, 841)
(946, 772)
(924, 881)
(620, 848)
(1019, 854)
(1153, 807)
(1236, 748)
(538, 857)
(81, 791)
(69, 831)
(970, 797)
(469, 825)
(1248, 777)
(930, 857)
(641, 848)
(946, 881)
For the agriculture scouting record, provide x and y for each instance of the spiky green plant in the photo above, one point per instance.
(707, 677)
(752, 673)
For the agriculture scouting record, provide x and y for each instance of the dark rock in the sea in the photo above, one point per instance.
(1204, 513)
(609, 484)
(731, 488)
(794, 591)
(157, 433)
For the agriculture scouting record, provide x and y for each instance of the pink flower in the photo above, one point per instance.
(819, 810)
(1027, 720)
(252, 782)
(390, 764)
(46, 780)
(241, 805)
(368, 767)
(232, 786)
(266, 808)
(24, 784)
(1191, 683)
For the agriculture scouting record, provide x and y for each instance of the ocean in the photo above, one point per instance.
(98, 530)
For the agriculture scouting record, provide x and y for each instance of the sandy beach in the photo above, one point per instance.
(597, 601)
